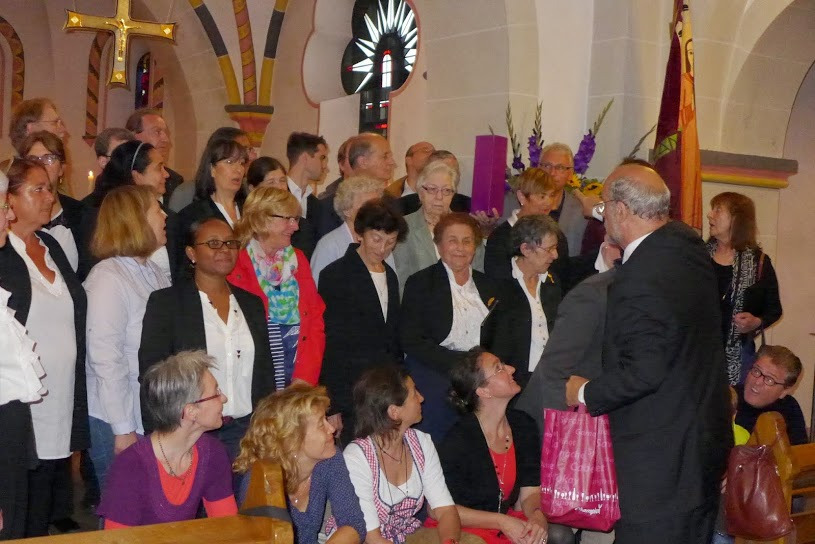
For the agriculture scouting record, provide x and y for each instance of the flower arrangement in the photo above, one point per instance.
(582, 159)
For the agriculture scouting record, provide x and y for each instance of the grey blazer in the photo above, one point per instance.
(418, 250)
(575, 346)
(572, 223)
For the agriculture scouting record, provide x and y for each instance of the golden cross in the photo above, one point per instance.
(122, 27)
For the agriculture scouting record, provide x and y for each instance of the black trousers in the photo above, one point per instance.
(692, 527)
(17, 455)
(47, 488)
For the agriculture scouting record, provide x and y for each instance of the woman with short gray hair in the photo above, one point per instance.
(522, 322)
(351, 195)
(165, 476)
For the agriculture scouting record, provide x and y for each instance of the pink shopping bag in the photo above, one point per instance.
(578, 480)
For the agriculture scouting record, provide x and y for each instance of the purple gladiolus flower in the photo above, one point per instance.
(534, 151)
(584, 154)
(517, 163)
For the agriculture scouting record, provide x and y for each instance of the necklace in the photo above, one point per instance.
(406, 492)
(294, 496)
(183, 476)
(401, 454)
(498, 473)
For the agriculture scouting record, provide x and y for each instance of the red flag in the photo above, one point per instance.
(676, 154)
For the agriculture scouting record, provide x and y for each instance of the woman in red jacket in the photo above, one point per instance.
(279, 274)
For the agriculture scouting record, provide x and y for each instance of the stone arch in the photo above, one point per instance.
(12, 62)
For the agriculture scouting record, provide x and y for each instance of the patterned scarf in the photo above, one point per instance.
(745, 269)
(275, 274)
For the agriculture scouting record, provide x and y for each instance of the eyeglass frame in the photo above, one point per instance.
(432, 190)
(5, 206)
(44, 159)
(757, 373)
(501, 368)
(600, 207)
(221, 243)
(289, 218)
(556, 167)
(57, 121)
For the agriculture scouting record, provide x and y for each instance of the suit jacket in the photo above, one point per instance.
(174, 322)
(357, 334)
(572, 223)
(324, 218)
(418, 251)
(77, 223)
(305, 238)
(664, 383)
(410, 203)
(508, 333)
(575, 347)
(175, 242)
(395, 189)
(427, 315)
(468, 468)
(174, 180)
(14, 278)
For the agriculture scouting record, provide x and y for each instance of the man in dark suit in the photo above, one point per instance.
(148, 126)
(663, 384)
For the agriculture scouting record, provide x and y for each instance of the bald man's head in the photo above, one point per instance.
(641, 189)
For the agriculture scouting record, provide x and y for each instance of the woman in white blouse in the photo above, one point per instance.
(351, 194)
(49, 301)
(206, 312)
(131, 225)
(444, 308)
(395, 468)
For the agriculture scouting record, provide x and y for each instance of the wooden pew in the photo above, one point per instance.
(266, 489)
(796, 467)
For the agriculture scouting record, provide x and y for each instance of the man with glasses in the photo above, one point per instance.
(558, 161)
(33, 115)
(768, 388)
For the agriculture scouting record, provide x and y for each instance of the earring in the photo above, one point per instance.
(193, 262)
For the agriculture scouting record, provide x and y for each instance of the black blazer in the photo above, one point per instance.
(196, 211)
(174, 180)
(357, 336)
(664, 383)
(175, 241)
(508, 333)
(174, 322)
(306, 237)
(14, 278)
(427, 315)
(468, 467)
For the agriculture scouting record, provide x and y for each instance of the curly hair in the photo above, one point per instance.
(278, 428)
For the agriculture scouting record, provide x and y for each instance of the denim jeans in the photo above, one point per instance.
(101, 451)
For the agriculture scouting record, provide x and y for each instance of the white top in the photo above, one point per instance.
(232, 346)
(300, 195)
(20, 368)
(540, 329)
(51, 326)
(117, 290)
(161, 258)
(331, 247)
(381, 285)
(629, 249)
(469, 311)
(226, 215)
(429, 482)
(66, 240)
(513, 217)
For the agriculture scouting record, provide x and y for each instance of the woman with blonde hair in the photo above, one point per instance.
(271, 268)
(129, 229)
(289, 427)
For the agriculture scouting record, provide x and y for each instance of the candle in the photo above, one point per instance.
(90, 180)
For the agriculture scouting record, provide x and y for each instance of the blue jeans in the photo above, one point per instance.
(101, 451)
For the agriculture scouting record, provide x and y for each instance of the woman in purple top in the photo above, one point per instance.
(289, 427)
(165, 476)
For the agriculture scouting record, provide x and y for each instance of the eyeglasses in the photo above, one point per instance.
(500, 368)
(551, 249)
(215, 396)
(768, 381)
(48, 159)
(292, 219)
(600, 207)
(57, 121)
(432, 190)
(231, 162)
(555, 167)
(5, 206)
(218, 244)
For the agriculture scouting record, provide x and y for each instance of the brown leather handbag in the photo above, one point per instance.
(754, 499)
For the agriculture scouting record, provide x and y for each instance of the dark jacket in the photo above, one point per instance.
(427, 315)
(14, 278)
(468, 468)
(664, 382)
(306, 237)
(174, 180)
(174, 322)
(508, 333)
(357, 334)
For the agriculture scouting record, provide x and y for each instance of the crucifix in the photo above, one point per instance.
(123, 27)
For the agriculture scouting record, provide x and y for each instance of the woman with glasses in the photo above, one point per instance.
(445, 307)
(271, 268)
(520, 328)
(130, 227)
(219, 190)
(48, 300)
(205, 312)
(166, 476)
(436, 186)
(491, 457)
(748, 286)
(66, 215)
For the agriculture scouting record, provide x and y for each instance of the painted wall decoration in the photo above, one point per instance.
(17, 65)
